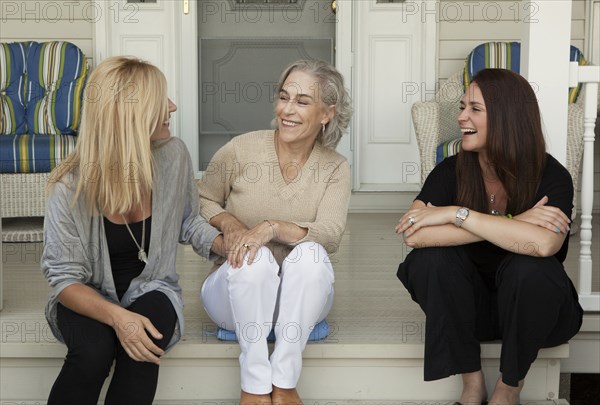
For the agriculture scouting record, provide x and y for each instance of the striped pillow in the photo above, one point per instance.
(12, 88)
(507, 55)
(446, 149)
(56, 77)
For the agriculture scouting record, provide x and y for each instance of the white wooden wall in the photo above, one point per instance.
(42, 21)
(464, 24)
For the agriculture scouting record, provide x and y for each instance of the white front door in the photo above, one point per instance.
(141, 28)
(394, 67)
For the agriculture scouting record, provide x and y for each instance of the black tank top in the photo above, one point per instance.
(123, 252)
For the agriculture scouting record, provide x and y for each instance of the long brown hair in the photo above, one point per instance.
(515, 144)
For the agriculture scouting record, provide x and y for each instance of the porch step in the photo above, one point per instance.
(308, 402)
(356, 373)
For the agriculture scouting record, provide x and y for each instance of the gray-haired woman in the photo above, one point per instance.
(280, 197)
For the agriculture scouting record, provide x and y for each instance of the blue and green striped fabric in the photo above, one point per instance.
(41, 100)
(56, 74)
(576, 56)
(446, 149)
(12, 88)
(33, 153)
(507, 55)
(501, 55)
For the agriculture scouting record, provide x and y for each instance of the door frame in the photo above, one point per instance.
(188, 96)
(185, 85)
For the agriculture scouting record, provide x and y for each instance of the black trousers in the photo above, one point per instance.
(528, 302)
(92, 348)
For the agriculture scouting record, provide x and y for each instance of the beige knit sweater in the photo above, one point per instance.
(244, 179)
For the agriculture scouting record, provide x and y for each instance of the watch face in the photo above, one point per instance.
(462, 213)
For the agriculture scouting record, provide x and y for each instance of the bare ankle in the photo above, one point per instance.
(247, 398)
(505, 394)
(285, 396)
(474, 390)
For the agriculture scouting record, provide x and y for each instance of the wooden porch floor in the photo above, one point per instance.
(372, 310)
(371, 305)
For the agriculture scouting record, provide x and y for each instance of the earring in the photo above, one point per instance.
(323, 129)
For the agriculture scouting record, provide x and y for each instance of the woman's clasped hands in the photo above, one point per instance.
(241, 241)
(546, 216)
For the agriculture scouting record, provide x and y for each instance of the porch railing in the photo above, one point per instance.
(589, 76)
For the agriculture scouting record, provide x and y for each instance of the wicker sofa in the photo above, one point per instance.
(435, 121)
(41, 90)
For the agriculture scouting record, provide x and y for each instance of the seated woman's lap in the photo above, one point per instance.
(537, 282)
(265, 274)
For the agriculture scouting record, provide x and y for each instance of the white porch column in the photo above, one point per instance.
(545, 42)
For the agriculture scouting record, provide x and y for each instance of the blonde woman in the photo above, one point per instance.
(117, 209)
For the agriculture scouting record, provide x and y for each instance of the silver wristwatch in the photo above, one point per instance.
(461, 215)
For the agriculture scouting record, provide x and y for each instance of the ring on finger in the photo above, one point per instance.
(411, 220)
(246, 246)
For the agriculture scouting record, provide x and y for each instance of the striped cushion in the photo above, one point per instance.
(501, 55)
(33, 153)
(12, 88)
(446, 149)
(507, 55)
(576, 56)
(56, 74)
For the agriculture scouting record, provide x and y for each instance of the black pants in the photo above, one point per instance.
(92, 347)
(528, 302)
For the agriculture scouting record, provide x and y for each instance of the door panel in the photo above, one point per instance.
(395, 50)
(235, 99)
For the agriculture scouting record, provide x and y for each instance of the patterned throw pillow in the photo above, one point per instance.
(56, 78)
(12, 88)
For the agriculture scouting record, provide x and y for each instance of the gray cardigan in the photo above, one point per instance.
(75, 248)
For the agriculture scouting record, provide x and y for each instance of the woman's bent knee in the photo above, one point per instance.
(263, 268)
(309, 261)
(421, 264)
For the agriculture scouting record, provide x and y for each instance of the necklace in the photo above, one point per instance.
(141, 252)
(492, 200)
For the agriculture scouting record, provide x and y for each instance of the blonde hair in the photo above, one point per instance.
(125, 101)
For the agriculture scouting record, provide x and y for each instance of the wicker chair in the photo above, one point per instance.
(436, 122)
(39, 119)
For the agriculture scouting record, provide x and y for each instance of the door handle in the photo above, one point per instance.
(333, 6)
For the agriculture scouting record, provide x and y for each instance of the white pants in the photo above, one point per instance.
(255, 298)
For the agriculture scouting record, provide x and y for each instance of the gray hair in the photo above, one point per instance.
(332, 92)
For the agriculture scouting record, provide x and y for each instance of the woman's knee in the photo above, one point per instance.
(528, 271)
(422, 264)
(88, 341)
(309, 261)
(93, 353)
(260, 271)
